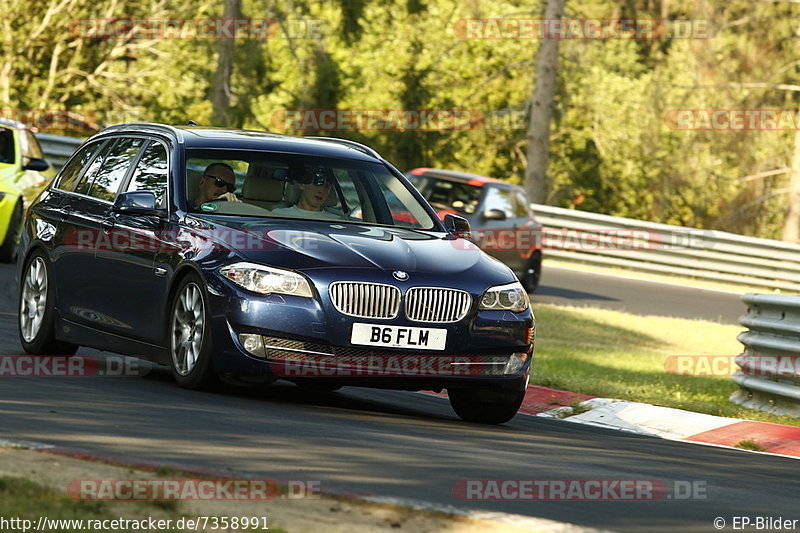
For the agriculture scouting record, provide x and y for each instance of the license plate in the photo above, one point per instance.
(399, 336)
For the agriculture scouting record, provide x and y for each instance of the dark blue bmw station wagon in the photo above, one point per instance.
(228, 253)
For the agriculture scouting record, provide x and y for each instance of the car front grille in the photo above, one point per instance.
(365, 300)
(435, 305)
(422, 304)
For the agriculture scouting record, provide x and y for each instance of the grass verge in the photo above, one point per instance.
(612, 354)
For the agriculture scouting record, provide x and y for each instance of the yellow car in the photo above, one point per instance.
(23, 173)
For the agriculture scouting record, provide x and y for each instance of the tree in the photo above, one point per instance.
(542, 107)
(221, 91)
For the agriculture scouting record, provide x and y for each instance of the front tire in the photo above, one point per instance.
(532, 272)
(36, 324)
(189, 333)
(485, 405)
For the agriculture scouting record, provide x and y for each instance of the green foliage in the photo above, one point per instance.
(613, 150)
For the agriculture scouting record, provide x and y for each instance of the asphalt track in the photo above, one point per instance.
(387, 443)
(586, 289)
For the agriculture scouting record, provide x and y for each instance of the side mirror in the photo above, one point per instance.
(458, 226)
(494, 214)
(35, 163)
(138, 203)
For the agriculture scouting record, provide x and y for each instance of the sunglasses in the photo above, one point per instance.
(219, 182)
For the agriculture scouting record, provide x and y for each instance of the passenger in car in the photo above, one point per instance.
(312, 200)
(218, 182)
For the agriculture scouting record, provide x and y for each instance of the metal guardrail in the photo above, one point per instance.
(579, 236)
(769, 369)
(58, 148)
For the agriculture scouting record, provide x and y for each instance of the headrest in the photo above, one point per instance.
(260, 185)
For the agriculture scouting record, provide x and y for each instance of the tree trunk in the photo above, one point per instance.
(542, 108)
(221, 91)
(791, 225)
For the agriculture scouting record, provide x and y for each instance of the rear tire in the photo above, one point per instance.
(8, 250)
(36, 305)
(485, 405)
(189, 332)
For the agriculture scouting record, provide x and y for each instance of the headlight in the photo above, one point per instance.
(267, 280)
(511, 297)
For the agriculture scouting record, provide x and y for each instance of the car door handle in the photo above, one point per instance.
(66, 211)
(108, 224)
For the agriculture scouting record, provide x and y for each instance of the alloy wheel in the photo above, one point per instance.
(188, 326)
(33, 303)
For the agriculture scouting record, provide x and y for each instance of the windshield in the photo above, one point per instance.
(258, 184)
(462, 198)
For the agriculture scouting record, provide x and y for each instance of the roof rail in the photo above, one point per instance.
(149, 125)
(352, 144)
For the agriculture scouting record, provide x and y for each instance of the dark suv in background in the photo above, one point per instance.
(499, 214)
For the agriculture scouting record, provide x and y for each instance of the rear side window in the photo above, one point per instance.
(85, 182)
(520, 205)
(114, 167)
(151, 173)
(72, 170)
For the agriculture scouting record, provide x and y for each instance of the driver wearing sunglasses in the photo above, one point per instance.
(218, 182)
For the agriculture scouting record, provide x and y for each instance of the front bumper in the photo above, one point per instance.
(300, 339)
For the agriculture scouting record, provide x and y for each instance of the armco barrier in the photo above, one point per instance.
(769, 369)
(673, 250)
(58, 148)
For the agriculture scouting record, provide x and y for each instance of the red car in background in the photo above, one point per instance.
(499, 214)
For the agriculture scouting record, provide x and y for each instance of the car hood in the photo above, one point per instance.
(302, 245)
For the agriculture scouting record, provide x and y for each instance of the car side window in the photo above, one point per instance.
(501, 199)
(150, 173)
(520, 205)
(114, 168)
(86, 180)
(72, 170)
(29, 145)
(6, 145)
